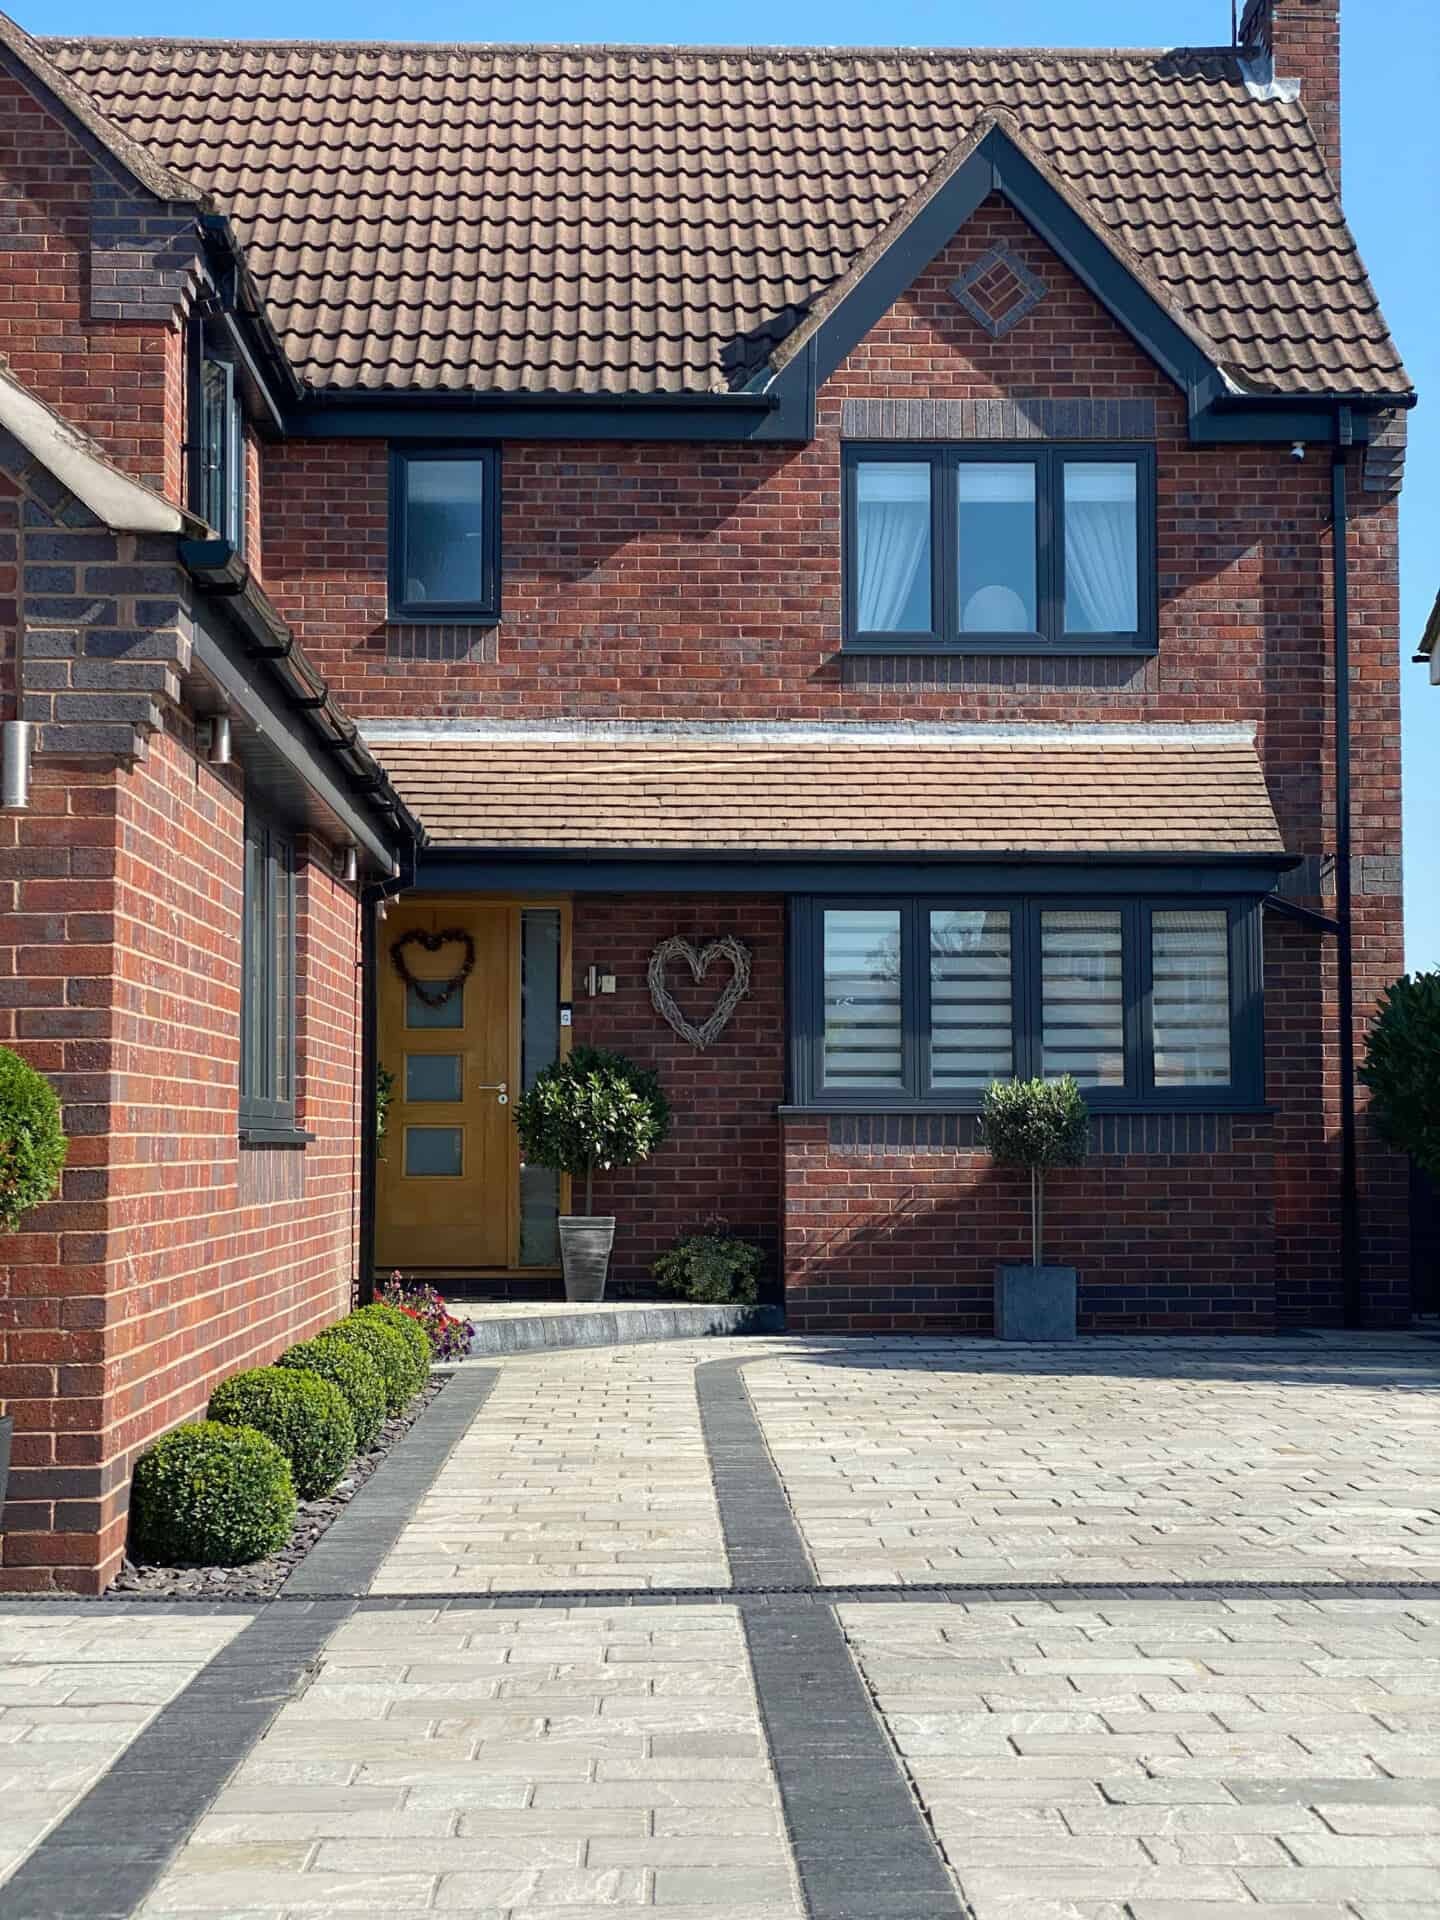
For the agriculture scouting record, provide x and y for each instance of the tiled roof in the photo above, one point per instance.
(594, 219)
(797, 790)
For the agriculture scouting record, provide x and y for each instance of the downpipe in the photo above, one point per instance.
(1350, 1289)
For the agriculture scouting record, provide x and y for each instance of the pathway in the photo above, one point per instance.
(1133, 1630)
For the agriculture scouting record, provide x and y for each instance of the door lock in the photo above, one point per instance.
(500, 1088)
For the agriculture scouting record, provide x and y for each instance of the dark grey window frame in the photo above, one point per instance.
(1048, 458)
(268, 985)
(483, 612)
(219, 487)
(1140, 1094)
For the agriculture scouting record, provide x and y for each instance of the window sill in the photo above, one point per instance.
(1027, 644)
(816, 1109)
(438, 617)
(291, 1138)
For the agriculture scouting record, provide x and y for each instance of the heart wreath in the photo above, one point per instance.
(434, 993)
(698, 960)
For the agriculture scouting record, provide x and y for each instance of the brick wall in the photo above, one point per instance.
(1303, 39)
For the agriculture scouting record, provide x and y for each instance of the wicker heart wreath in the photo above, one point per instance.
(698, 960)
(434, 993)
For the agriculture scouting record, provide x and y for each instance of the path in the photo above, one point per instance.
(1134, 1630)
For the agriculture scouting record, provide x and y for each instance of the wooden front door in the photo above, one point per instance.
(445, 1185)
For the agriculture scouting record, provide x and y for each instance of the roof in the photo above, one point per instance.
(1429, 648)
(819, 790)
(658, 220)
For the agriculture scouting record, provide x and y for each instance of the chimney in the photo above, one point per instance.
(1300, 40)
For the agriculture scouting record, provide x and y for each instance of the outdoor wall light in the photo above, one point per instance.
(221, 749)
(347, 864)
(16, 744)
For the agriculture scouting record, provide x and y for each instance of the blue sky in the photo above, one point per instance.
(1391, 78)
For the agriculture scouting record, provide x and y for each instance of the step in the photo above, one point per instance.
(513, 1328)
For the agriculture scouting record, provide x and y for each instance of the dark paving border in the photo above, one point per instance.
(862, 1847)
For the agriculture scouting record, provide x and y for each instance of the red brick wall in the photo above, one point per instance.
(121, 381)
(172, 1257)
(723, 1154)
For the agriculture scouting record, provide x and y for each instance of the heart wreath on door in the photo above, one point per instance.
(699, 960)
(434, 993)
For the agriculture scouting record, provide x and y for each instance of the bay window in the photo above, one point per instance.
(1147, 1003)
(984, 548)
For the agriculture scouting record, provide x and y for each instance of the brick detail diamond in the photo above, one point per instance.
(999, 290)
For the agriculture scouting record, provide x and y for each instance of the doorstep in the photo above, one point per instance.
(504, 1326)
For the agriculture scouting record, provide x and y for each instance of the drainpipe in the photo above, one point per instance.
(1344, 955)
(370, 899)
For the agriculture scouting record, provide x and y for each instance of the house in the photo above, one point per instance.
(873, 507)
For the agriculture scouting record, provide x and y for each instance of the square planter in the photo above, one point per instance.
(1034, 1303)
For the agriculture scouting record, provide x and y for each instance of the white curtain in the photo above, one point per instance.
(893, 502)
(1100, 554)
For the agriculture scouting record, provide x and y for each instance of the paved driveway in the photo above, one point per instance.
(754, 1630)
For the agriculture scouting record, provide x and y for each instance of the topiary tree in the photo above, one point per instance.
(591, 1109)
(382, 1314)
(356, 1375)
(32, 1141)
(211, 1495)
(305, 1416)
(1035, 1124)
(1402, 1069)
(390, 1353)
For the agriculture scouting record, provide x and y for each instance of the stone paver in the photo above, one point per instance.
(507, 1763)
(76, 1686)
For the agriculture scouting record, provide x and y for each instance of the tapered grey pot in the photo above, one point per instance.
(585, 1243)
(1034, 1303)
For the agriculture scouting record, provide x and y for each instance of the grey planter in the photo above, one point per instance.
(7, 1427)
(585, 1243)
(1034, 1303)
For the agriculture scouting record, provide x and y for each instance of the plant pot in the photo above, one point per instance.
(585, 1243)
(7, 1427)
(1034, 1303)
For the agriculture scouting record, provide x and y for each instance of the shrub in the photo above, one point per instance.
(389, 1352)
(591, 1109)
(409, 1330)
(353, 1372)
(711, 1264)
(32, 1141)
(1402, 1069)
(211, 1495)
(449, 1337)
(1035, 1124)
(306, 1417)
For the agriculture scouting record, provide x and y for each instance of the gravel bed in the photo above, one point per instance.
(262, 1579)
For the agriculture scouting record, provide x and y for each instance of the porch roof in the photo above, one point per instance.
(723, 790)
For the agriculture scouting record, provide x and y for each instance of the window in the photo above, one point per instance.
(220, 452)
(267, 1001)
(445, 535)
(987, 549)
(1145, 1003)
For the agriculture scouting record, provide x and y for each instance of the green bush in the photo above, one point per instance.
(353, 1372)
(711, 1265)
(409, 1330)
(1035, 1124)
(32, 1141)
(211, 1495)
(306, 1417)
(1402, 1069)
(388, 1350)
(591, 1109)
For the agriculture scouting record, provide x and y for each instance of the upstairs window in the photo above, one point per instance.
(445, 535)
(220, 452)
(267, 992)
(985, 549)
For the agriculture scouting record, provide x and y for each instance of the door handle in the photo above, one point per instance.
(501, 1088)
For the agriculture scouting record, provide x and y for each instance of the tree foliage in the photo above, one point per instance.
(591, 1109)
(32, 1141)
(1402, 1069)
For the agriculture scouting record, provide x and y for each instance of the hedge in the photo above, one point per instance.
(390, 1353)
(409, 1329)
(213, 1495)
(353, 1372)
(305, 1415)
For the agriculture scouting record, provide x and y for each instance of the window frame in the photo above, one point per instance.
(1048, 459)
(806, 1000)
(482, 612)
(220, 474)
(268, 1029)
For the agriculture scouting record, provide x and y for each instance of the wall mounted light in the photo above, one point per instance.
(221, 749)
(347, 864)
(16, 741)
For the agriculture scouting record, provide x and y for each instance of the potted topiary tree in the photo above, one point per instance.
(32, 1153)
(1035, 1124)
(1402, 1069)
(591, 1109)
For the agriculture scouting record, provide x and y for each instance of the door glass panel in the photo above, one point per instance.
(970, 999)
(892, 560)
(539, 1048)
(1083, 991)
(863, 1032)
(1102, 570)
(432, 1076)
(996, 546)
(419, 1012)
(1190, 998)
(434, 1151)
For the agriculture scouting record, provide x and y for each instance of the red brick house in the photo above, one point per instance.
(874, 506)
